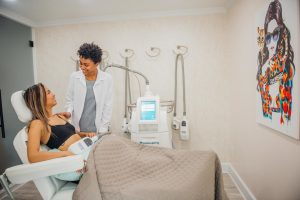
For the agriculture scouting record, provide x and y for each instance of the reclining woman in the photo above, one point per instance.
(50, 129)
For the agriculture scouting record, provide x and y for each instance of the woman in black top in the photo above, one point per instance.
(48, 128)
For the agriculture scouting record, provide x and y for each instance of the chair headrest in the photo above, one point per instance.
(19, 105)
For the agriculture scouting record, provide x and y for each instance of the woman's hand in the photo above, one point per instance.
(84, 169)
(87, 134)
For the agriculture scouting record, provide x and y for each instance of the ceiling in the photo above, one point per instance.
(37, 13)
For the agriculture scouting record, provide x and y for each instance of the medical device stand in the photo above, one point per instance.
(127, 90)
(126, 68)
(5, 184)
(183, 124)
(130, 53)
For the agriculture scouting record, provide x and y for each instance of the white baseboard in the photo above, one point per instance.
(238, 181)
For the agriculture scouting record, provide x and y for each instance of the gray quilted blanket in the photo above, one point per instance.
(118, 169)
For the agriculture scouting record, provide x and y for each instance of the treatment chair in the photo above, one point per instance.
(40, 173)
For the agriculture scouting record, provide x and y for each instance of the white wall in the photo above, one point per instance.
(206, 87)
(267, 160)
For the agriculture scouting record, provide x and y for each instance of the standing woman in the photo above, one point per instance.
(89, 95)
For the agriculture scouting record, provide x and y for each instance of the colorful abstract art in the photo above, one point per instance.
(277, 60)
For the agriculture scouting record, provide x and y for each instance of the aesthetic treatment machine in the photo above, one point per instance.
(148, 124)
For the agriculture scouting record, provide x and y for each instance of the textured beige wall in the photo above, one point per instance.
(267, 160)
(206, 85)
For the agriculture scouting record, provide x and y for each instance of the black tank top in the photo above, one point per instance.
(59, 134)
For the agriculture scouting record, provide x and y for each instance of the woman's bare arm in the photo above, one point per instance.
(33, 145)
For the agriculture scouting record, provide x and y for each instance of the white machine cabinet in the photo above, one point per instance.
(149, 124)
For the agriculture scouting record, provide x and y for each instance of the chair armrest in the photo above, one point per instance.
(27, 172)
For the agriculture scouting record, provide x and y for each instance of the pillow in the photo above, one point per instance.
(19, 105)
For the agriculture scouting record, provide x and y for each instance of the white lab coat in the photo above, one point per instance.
(103, 90)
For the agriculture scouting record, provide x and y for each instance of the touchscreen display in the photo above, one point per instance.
(148, 110)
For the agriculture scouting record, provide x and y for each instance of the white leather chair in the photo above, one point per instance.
(49, 187)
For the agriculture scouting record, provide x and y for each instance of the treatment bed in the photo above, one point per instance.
(118, 168)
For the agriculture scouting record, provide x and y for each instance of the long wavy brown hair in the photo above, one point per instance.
(35, 99)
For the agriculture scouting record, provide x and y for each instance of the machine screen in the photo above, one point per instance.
(148, 110)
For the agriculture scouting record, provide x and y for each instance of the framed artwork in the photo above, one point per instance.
(277, 31)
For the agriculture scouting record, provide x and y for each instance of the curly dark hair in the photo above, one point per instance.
(90, 51)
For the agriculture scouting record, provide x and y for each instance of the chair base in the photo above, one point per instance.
(4, 182)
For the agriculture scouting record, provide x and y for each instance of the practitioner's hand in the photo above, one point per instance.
(87, 134)
(67, 115)
(90, 134)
